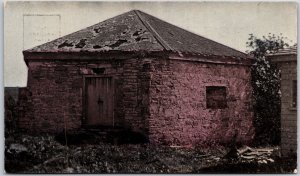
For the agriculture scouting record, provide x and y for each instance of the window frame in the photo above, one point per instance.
(293, 107)
(225, 98)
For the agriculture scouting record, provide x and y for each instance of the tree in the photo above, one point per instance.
(266, 87)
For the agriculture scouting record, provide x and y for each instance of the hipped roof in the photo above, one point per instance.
(136, 31)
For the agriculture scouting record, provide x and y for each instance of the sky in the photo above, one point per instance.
(28, 24)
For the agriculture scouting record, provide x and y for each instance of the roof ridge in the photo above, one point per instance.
(195, 33)
(136, 31)
(153, 31)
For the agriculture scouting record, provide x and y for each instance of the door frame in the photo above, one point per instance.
(84, 103)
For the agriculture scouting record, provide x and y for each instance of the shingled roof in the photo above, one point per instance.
(136, 31)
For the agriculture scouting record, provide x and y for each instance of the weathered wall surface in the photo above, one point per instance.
(178, 111)
(163, 98)
(56, 94)
(10, 106)
(288, 112)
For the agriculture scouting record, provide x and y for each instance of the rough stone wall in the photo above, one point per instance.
(24, 108)
(178, 111)
(56, 94)
(10, 106)
(136, 80)
(288, 112)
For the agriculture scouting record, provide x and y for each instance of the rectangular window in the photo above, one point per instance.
(294, 94)
(98, 70)
(216, 97)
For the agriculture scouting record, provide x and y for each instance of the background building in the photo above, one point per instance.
(286, 60)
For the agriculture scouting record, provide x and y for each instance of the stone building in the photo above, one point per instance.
(286, 60)
(138, 72)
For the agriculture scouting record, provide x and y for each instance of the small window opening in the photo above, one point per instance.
(146, 67)
(216, 97)
(294, 92)
(98, 70)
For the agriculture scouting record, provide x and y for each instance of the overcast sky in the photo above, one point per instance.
(27, 24)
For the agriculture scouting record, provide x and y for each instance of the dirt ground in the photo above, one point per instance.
(26, 153)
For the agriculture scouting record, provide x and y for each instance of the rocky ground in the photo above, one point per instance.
(48, 154)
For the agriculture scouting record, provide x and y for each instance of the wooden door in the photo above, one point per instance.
(99, 101)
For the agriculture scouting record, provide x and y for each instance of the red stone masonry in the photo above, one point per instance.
(165, 99)
(178, 110)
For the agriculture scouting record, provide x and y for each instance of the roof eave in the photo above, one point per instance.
(247, 60)
(86, 55)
